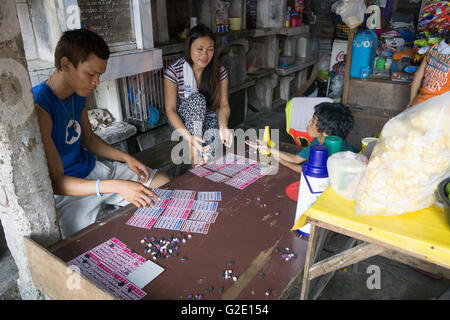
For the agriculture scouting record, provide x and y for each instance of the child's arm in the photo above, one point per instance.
(288, 159)
(295, 167)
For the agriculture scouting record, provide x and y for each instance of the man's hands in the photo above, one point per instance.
(136, 193)
(139, 168)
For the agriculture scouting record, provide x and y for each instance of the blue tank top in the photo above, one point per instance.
(66, 132)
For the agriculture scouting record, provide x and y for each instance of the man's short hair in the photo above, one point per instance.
(334, 119)
(78, 44)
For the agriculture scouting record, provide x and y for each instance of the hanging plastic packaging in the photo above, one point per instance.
(352, 12)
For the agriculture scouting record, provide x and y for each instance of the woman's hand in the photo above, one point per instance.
(226, 136)
(136, 193)
(197, 144)
(197, 149)
(139, 168)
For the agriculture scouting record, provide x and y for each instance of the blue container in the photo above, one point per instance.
(316, 166)
(363, 54)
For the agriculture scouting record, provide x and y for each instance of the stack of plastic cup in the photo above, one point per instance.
(316, 166)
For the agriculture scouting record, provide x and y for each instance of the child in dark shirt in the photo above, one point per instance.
(329, 119)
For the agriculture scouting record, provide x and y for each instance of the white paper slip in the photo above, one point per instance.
(145, 273)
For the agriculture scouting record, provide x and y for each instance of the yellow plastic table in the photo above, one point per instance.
(420, 239)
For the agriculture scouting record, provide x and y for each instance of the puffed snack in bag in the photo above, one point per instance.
(409, 160)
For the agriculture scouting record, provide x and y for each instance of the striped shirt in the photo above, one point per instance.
(174, 73)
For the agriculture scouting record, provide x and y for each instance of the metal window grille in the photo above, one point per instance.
(143, 97)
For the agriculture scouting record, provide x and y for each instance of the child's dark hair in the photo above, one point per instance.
(334, 119)
(209, 84)
(77, 45)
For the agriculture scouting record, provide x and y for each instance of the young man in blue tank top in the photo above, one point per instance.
(80, 182)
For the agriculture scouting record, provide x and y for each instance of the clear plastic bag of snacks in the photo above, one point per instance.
(409, 160)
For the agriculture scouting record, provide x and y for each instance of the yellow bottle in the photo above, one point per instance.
(266, 139)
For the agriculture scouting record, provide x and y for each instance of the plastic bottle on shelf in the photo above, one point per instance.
(288, 17)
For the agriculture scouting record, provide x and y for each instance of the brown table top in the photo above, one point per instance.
(245, 231)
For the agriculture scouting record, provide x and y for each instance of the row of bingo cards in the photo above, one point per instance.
(163, 193)
(250, 175)
(216, 177)
(205, 205)
(169, 223)
(214, 166)
(200, 171)
(242, 180)
(231, 170)
(174, 213)
(146, 217)
(139, 221)
(210, 196)
(178, 224)
(166, 194)
(206, 216)
(108, 265)
(183, 194)
(196, 226)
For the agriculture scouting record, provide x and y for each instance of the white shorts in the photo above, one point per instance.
(76, 213)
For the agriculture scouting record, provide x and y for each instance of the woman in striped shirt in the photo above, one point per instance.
(196, 95)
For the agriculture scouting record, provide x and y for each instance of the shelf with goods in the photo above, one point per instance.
(266, 33)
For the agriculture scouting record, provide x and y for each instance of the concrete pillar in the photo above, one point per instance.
(271, 51)
(271, 13)
(261, 94)
(300, 79)
(285, 87)
(159, 17)
(47, 28)
(27, 207)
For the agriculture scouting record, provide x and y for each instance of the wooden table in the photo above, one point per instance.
(420, 239)
(252, 229)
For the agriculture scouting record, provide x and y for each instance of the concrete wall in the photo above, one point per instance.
(26, 197)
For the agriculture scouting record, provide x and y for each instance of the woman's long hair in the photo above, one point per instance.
(209, 84)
